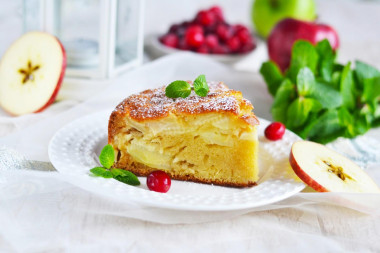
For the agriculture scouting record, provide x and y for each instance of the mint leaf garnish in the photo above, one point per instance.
(101, 172)
(183, 89)
(178, 89)
(125, 176)
(200, 86)
(107, 156)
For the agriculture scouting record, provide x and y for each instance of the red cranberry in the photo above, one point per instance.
(218, 12)
(275, 131)
(174, 28)
(243, 35)
(240, 27)
(223, 32)
(182, 44)
(158, 181)
(248, 47)
(194, 36)
(203, 49)
(205, 18)
(169, 40)
(234, 44)
(212, 41)
(220, 49)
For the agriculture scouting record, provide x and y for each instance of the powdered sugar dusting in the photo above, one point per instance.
(151, 104)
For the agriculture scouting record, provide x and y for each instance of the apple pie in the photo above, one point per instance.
(209, 139)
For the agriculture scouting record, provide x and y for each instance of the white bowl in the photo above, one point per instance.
(156, 49)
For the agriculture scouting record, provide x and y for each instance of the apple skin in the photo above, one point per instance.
(287, 31)
(303, 176)
(60, 80)
(267, 13)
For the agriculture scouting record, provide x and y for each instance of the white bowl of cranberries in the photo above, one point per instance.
(208, 33)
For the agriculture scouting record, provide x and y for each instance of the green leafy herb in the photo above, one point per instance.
(125, 176)
(178, 89)
(305, 81)
(303, 55)
(326, 62)
(347, 88)
(200, 86)
(326, 95)
(299, 110)
(107, 158)
(272, 75)
(101, 172)
(183, 89)
(284, 96)
(365, 71)
(321, 99)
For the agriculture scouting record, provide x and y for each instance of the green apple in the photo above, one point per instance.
(266, 13)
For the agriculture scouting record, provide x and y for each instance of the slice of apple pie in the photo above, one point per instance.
(209, 139)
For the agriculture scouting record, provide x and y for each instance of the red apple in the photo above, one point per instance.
(324, 170)
(287, 31)
(31, 73)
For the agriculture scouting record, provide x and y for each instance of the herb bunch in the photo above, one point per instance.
(320, 99)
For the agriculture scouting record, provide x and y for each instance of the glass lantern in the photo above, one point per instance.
(102, 38)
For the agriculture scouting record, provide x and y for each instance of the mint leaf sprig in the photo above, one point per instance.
(183, 89)
(107, 158)
(320, 99)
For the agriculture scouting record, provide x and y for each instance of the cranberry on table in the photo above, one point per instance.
(274, 131)
(194, 36)
(158, 181)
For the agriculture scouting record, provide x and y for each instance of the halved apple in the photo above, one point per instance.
(31, 73)
(328, 171)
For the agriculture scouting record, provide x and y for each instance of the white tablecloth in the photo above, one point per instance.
(42, 211)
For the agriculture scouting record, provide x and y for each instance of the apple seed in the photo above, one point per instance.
(28, 72)
(337, 170)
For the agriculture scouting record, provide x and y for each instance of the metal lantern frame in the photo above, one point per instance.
(106, 42)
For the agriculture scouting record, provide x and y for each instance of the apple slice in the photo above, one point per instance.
(324, 170)
(31, 73)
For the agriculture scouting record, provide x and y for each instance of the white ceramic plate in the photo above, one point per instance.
(157, 49)
(74, 150)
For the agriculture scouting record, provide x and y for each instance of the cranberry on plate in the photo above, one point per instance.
(158, 181)
(275, 131)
